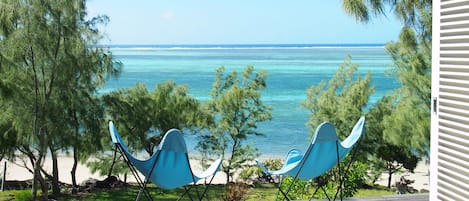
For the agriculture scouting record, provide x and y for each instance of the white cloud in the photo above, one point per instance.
(168, 15)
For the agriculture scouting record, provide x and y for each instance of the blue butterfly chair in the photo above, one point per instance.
(324, 152)
(168, 167)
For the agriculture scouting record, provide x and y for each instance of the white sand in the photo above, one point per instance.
(420, 176)
(15, 172)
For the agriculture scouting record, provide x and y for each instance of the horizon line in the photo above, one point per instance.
(240, 44)
(243, 46)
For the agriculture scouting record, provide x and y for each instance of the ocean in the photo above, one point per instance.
(291, 69)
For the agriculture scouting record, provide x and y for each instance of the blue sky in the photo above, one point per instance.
(237, 22)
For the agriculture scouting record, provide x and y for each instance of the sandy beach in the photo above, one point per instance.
(15, 172)
(420, 176)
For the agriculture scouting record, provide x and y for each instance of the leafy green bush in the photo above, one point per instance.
(254, 173)
(247, 174)
(299, 190)
(271, 164)
(355, 178)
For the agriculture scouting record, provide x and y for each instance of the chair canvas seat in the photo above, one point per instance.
(324, 152)
(169, 166)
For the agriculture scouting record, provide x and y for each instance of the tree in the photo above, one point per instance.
(236, 107)
(85, 120)
(394, 156)
(341, 101)
(143, 118)
(412, 58)
(415, 13)
(8, 136)
(413, 67)
(49, 58)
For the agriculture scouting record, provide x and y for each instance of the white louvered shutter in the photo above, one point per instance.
(450, 91)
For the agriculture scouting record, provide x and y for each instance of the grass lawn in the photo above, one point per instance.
(216, 192)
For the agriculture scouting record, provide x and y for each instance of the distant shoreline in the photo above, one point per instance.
(242, 46)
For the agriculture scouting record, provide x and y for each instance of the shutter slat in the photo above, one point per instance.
(454, 73)
(454, 37)
(454, 68)
(453, 3)
(444, 53)
(453, 10)
(454, 45)
(449, 32)
(461, 59)
(451, 79)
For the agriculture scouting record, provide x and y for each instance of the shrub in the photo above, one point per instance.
(271, 164)
(248, 173)
(236, 191)
(299, 190)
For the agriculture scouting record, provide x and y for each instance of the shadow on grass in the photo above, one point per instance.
(129, 192)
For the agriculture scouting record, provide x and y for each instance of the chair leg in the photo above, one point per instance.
(325, 193)
(199, 196)
(206, 188)
(141, 184)
(197, 191)
(314, 193)
(186, 191)
(285, 194)
(144, 189)
(339, 188)
(277, 186)
(139, 180)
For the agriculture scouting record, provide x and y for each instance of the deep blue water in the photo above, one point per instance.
(291, 68)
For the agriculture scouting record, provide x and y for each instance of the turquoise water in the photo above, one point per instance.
(291, 70)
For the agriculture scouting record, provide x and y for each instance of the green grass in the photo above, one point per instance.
(216, 192)
(15, 195)
(373, 192)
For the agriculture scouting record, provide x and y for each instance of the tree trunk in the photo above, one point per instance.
(227, 172)
(38, 178)
(55, 174)
(75, 151)
(74, 170)
(35, 179)
(390, 175)
(45, 188)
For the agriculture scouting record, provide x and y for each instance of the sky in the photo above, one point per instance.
(237, 22)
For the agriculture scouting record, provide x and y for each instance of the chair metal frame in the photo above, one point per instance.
(142, 183)
(353, 138)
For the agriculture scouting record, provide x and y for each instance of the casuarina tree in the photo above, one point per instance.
(51, 66)
(236, 108)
